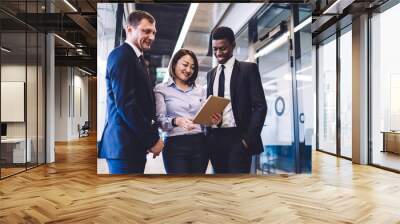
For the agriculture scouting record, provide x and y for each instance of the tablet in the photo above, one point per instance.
(213, 104)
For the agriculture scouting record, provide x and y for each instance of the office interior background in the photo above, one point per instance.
(264, 33)
(47, 83)
(343, 93)
(49, 75)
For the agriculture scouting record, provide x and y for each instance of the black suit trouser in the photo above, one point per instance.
(227, 152)
(185, 154)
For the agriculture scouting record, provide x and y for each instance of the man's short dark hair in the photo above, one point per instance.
(223, 32)
(135, 17)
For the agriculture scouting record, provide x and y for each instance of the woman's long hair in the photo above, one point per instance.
(178, 55)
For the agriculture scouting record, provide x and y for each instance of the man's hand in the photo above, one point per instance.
(216, 118)
(157, 148)
(184, 123)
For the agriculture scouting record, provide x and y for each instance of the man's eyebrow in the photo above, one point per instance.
(185, 61)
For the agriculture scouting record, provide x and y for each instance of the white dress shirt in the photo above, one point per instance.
(137, 51)
(228, 120)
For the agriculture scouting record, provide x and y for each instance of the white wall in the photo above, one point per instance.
(61, 103)
(12, 73)
(71, 93)
(33, 126)
(50, 95)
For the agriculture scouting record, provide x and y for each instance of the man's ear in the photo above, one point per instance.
(129, 29)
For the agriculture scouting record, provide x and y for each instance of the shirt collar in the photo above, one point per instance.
(171, 82)
(137, 51)
(229, 63)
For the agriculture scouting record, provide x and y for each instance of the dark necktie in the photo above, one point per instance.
(144, 65)
(221, 86)
(141, 60)
(149, 81)
(221, 82)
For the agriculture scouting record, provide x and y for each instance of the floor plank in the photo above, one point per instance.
(70, 191)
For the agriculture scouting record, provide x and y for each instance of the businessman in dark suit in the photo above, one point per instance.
(237, 137)
(130, 131)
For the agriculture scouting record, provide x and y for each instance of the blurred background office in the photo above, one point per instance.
(275, 36)
(345, 105)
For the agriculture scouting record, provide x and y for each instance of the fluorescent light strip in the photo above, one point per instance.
(64, 40)
(270, 87)
(86, 72)
(5, 50)
(331, 7)
(270, 82)
(272, 46)
(304, 69)
(302, 24)
(186, 25)
(70, 5)
(281, 40)
(305, 78)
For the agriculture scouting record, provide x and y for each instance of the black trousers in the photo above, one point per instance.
(227, 152)
(185, 154)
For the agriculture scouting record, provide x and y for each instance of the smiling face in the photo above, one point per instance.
(143, 35)
(184, 68)
(223, 50)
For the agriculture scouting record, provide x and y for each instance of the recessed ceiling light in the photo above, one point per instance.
(5, 50)
(64, 40)
(84, 71)
(70, 5)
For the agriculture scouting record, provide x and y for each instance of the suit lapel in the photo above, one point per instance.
(140, 69)
(211, 83)
(234, 78)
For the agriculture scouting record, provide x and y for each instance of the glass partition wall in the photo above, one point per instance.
(22, 88)
(327, 79)
(305, 85)
(385, 89)
(345, 62)
(284, 60)
(334, 94)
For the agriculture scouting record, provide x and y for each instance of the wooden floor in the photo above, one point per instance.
(387, 159)
(70, 191)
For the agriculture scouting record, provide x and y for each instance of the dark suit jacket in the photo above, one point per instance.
(248, 102)
(128, 131)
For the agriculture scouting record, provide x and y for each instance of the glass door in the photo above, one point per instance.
(327, 128)
(305, 85)
(287, 138)
(277, 134)
(14, 153)
(385, 89)
(346, 92)
(22, 77)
